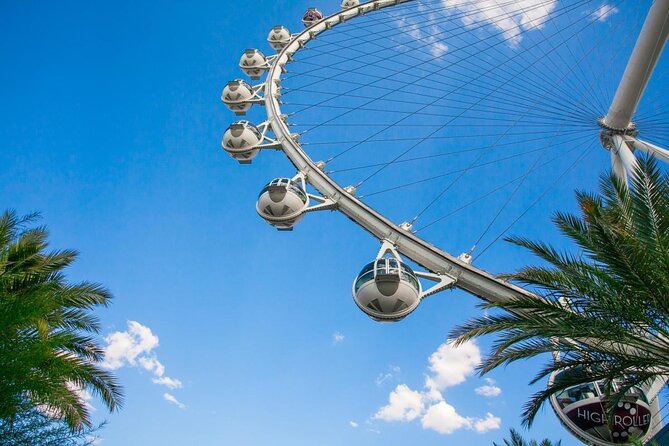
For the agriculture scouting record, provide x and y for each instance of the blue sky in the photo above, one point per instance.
(222, 330)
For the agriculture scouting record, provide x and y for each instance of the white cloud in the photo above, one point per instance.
(152, 365)
(443, 418)
(603, 12)
(383, 377)
(392, 372)
(404, 404)
(353, 424)
(166, 381)
(512, 19)
(135, 348)
(489, 390)
(451, 365)
(490, 422)
(338, 338)
(83, 394)
(431, 35)
(124, 347)
(448, 366)
(170, 398)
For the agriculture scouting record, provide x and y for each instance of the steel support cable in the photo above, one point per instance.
(386, 126)
(654, 128)
(596, 80)
(508, 200)
(493, 35)
(562, 102)
(453, 172)
(383, 35)
(651, 112)
(492, 191)
(330, 143)
(450, 214)
(382, 168)
(430, 41)
(534, 203)
(350, 82)
(659, 123)
(539, 28)
(507, 113)
(554, 110)
(343, 114)
(505, 204)
(593, 76)
(652, 101)
(652, 124)
(485, 22)
(649, 116)
(401, 101)
(369, 23)
(441, 194)
(652, 117)
(366, 55)
(410, 148)
(551, 52)
(584, 83)
(659, 422)
(607, 94)
(467, 107)
(378, 36)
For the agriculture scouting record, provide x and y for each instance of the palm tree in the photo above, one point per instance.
(604, 307)
(34, 428)
(47, 352)
(517, 440)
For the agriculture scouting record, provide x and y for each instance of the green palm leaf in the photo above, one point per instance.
(47, 350)
(603, 307)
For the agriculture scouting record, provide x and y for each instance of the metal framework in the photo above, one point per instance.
(618, 135)
(464, 275)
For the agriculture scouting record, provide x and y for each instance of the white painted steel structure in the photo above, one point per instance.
(467, 277)
(463, 275)
(618, 135)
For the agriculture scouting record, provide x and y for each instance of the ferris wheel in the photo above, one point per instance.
(363, 101)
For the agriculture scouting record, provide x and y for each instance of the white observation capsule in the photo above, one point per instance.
(282, 203)
(236, 96)
(241, 141)
(279, 37)
(253, 63)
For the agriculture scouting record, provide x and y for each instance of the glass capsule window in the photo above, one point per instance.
(366, 275)
(386, 267)
(594, 389)
(577, 393)
(396, 268)
(312, 14)
(289, 184)
(255, 131)
(252, 128)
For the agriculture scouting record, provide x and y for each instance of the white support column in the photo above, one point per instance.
(623, 159)
(640, 66)
(652, 149)
(617, 166)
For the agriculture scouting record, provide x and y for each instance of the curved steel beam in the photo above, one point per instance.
(467, 277)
